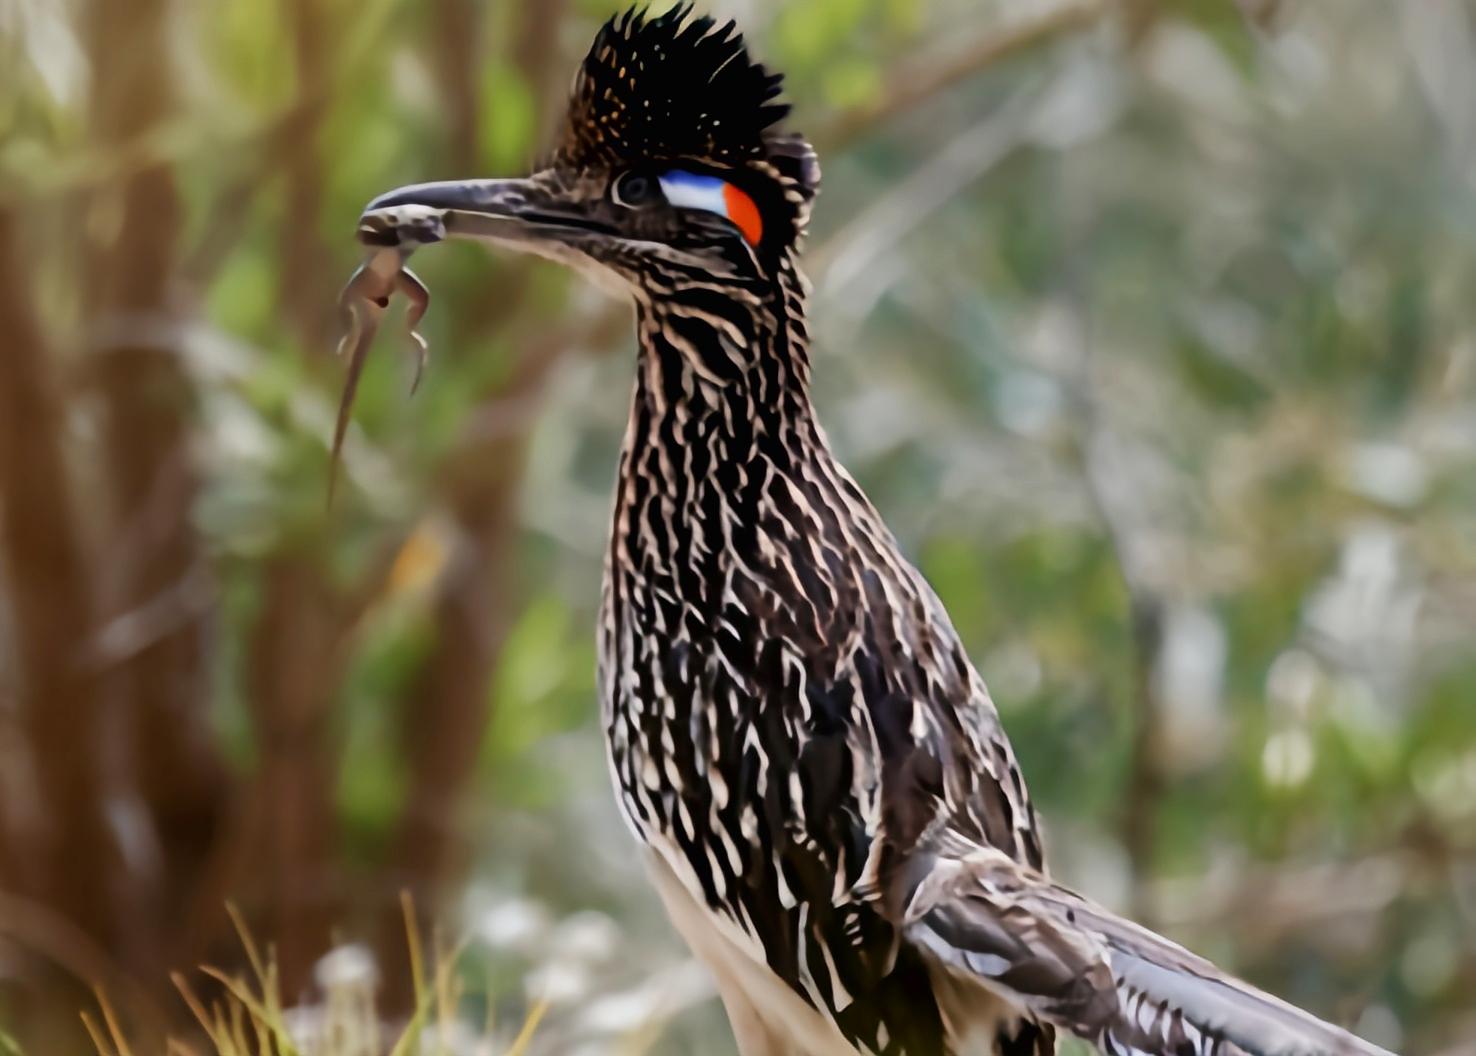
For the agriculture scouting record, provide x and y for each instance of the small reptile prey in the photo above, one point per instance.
(390, 236)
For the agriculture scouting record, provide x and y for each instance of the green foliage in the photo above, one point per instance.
(1199, 337)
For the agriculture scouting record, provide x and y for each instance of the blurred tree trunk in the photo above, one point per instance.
(458, 33)
(159, 592)
(306, 278)
(295, 671)
(69, 857)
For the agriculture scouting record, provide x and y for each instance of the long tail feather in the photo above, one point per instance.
(1066, 961)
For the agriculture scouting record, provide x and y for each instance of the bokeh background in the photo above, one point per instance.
(1148, 324)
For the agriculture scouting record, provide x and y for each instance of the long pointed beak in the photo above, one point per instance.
(520, 211)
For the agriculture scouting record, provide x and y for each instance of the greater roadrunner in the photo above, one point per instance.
(827, 803)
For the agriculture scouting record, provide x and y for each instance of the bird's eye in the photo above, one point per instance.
(634, 189)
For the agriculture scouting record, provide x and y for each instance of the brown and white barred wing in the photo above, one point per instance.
(1066, 961)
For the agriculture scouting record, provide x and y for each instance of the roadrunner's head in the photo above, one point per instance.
(668, 169)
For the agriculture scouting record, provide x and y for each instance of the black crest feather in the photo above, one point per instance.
(672, 86)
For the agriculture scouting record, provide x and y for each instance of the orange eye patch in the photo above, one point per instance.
(744, 213)
(691, 190)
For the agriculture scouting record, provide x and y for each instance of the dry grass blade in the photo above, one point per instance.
(412, 939)
(191, 1000)
(253, 956)
(115, 1032)
(250, 1019)
(213, 1022)
(525, 1036)
(447, 996)
(410, 1039)
(99, 1038)
(263, 1010)
(238, 1029)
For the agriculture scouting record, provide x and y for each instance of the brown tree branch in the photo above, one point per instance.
(70, 861)
(305, 290)
(456, 28)
(289, 827)
(922, 78)
(147, 401)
